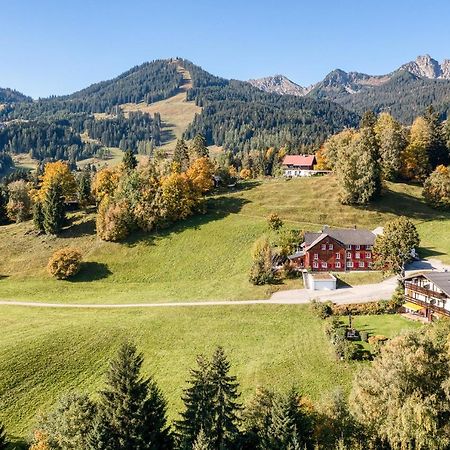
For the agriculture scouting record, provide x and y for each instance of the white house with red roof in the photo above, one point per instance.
(299, 165)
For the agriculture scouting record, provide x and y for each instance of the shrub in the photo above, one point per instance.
(322, 309)
(64, 263)
(19, 203)
(376, 342)
(274, 222)
(261, 271)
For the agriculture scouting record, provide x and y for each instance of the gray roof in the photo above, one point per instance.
(348, 236)
(297, 254)
(440, 279)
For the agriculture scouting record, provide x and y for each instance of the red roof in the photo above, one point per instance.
(299, 160)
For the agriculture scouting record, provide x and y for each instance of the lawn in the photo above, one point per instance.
(206, 257)
(45, 353)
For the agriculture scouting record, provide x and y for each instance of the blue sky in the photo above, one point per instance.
(57, 47)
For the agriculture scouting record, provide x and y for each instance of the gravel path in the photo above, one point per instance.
(364, 293)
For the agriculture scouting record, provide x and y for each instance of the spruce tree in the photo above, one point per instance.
(84, 189)
(132, 409)
(53, 209)
(198, 148)
(181, 155)
(3, 440)
(129, 160)
(38, 216)
(225, 405)
(3, 202)
(438, 153)
(198, 404)
(202, 442)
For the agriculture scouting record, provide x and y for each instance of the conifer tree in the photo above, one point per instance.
(181, 155)
(132, 410)
(53, 209)
(38, 216)
(198, 404)
(3, 440)
(198, 148)
(3, 203)
(84, 189)
(202, 442)
(129, 161)
(225, 405)
(438, 153)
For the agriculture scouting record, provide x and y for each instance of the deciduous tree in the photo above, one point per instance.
(392, 249)
(436, 188)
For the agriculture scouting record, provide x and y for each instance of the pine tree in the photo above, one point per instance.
(84, 189)
(202, 442)
(198, 406)
(181, 155)
(38, 216)
(132, 409)
(3, 202)
(225, 406)
(438, 153)
(53, 209)
(129, 161)
(3, 440)
(198, 148)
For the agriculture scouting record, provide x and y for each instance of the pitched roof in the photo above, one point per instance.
(299, 160)
(440, 279)
(347, 236)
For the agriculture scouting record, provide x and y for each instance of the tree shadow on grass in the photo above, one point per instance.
(427, 252)
(79, 228)
(217, 208)
(17, 444)
(91, 271)
(402, 204)
(3, 277)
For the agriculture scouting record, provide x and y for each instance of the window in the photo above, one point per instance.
(357, 255)
(358, 247)
(330, 246)
(369, 265)
(349, 247)
(338, 256)
(350, 264)
(324, 265)
(316, 256)
(361, 264)
(315, 265)
(349, 254)
(324, 246)
(368, 255)
(368, 247)
(338, 264)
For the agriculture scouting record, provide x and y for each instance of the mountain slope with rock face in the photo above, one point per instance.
(279, 84)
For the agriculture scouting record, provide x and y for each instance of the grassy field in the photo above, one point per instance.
(45, 353)
(205, 257)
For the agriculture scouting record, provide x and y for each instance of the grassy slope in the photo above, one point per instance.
(206, 257)
(46, 353)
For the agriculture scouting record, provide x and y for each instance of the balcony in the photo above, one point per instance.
(429, 306)
(424, 291)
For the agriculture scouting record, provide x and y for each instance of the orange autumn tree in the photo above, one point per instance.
(105, 183)
(58, 173)
(200, 173)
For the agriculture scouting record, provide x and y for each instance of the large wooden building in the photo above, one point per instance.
(428, 294)
(298, 165)
(335, 249)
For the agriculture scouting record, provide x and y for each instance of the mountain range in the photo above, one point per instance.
(405, 92)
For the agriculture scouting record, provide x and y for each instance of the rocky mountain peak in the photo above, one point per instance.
(279, 84)
(427, 67)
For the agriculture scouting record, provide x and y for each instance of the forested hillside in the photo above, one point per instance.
(235, 115)
(12, 96)
(405, 96)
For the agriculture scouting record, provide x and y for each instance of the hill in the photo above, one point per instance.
(133, 111)
(12, 96)
(279, 84)
(155, 269)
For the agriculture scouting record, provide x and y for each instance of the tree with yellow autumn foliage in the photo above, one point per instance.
(58, 173)
(200, 173)
(105, 183)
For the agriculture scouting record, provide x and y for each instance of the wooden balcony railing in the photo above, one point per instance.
(424, 291)
(430, 306)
